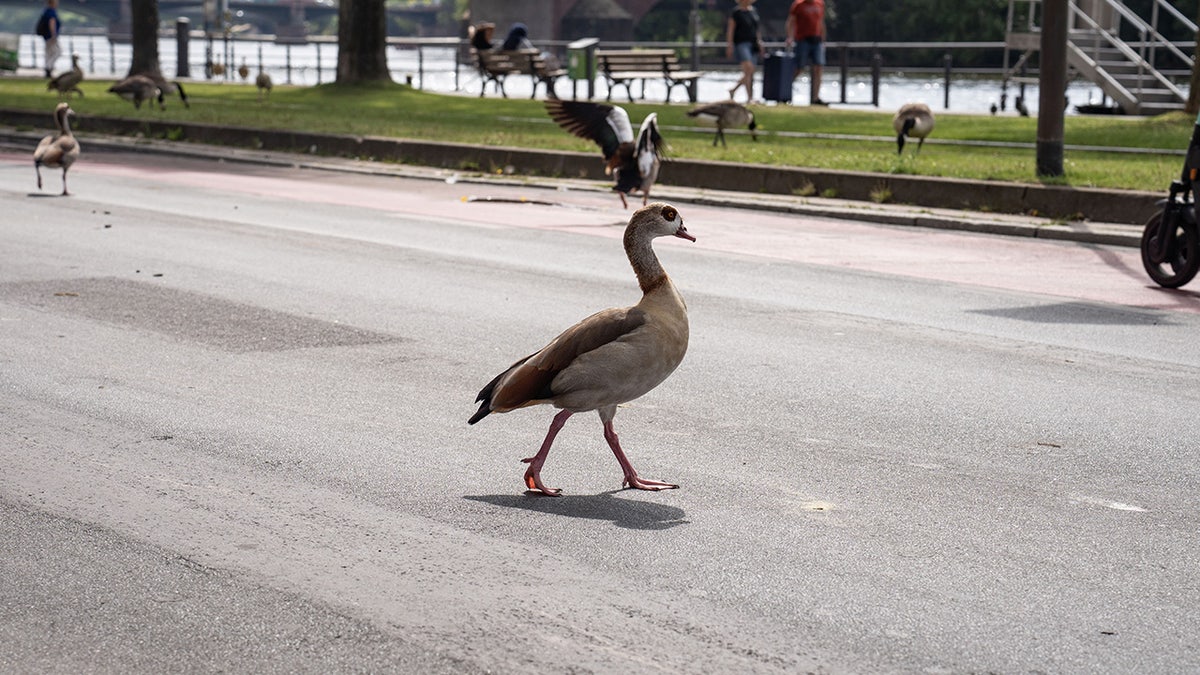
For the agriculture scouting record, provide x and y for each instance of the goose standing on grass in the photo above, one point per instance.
(725, 115)
(609, 358)
(633, 163)
(68, 82)
(264, 84)
(170, 87)
(59, 150)
(138, 88)
(244, 70)
(914, 120)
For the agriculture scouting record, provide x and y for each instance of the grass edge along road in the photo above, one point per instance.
(1140, 153)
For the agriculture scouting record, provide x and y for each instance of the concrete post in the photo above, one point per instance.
(1052, 84)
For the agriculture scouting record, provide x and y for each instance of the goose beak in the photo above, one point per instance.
(682, 233)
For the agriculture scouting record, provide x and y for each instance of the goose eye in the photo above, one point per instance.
(669, 213)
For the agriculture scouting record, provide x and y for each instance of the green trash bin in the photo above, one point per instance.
(9, 44)
(581, 63)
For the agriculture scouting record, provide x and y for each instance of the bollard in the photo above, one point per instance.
(182, 33)
(946, 94)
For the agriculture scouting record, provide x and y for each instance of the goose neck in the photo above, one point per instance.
(649, 271)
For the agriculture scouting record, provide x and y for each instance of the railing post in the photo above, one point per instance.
(287, 59)
(946, 63)
(845, 69)
(876, 69)
(318, 44)
(420, 67)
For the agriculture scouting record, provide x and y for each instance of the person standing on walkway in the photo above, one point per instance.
(48, 27)
(806, 29)
(744, 41)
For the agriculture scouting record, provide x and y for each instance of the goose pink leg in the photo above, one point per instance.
(631, 477)
(533, 475)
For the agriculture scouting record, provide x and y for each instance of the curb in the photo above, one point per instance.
(706, 183)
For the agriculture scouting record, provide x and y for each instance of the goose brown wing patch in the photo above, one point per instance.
(528, 381)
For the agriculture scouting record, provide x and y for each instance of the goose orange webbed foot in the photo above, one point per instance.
(533, 481)
(633, 482)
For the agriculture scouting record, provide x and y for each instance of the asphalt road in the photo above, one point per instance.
(233, 437)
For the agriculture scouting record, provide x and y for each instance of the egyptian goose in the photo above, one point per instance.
(57, 150)
(68, 82)
(915, 120)
(634, 164)
(609, 358)
(244, 70)
(725, 115)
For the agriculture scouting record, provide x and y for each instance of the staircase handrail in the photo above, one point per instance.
(1187, 23)
(1128, 52)
(1141, 25)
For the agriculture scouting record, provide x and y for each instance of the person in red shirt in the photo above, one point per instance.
(806, 29)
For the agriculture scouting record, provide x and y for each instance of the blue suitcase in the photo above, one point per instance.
(778, 70)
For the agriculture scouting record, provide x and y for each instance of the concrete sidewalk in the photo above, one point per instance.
(1117, 234)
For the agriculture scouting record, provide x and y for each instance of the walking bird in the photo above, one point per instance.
(65, 83)
(725, 115)
(633, 163)
(609, 358)
(915, 120)
(60, 150)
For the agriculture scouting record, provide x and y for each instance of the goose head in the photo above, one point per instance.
(62, 112)
(657, 220)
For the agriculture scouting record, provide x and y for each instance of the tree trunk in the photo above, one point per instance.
(362, 42)
(144, 29)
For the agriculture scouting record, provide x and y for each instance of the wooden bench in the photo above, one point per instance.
(495, 66)
(622, 67)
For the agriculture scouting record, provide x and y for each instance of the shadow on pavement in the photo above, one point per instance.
(627, 513)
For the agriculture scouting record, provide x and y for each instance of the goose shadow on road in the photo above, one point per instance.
(627, 513)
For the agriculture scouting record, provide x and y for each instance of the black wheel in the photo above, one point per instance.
(1183, 253)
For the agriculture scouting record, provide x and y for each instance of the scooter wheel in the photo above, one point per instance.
(1183, 254)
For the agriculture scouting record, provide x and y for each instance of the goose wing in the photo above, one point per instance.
(528, 381)
(716, 110)
(43, 148)
(650, 145)
(606, 125)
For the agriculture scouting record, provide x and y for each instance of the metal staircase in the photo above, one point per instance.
(1124, 54)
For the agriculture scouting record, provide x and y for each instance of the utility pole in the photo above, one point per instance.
(1052, 88)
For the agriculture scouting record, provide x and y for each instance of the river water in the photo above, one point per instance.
(433, 69)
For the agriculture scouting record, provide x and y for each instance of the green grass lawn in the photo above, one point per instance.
(399, 111)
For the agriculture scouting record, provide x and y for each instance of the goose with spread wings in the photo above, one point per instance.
(633, 163)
